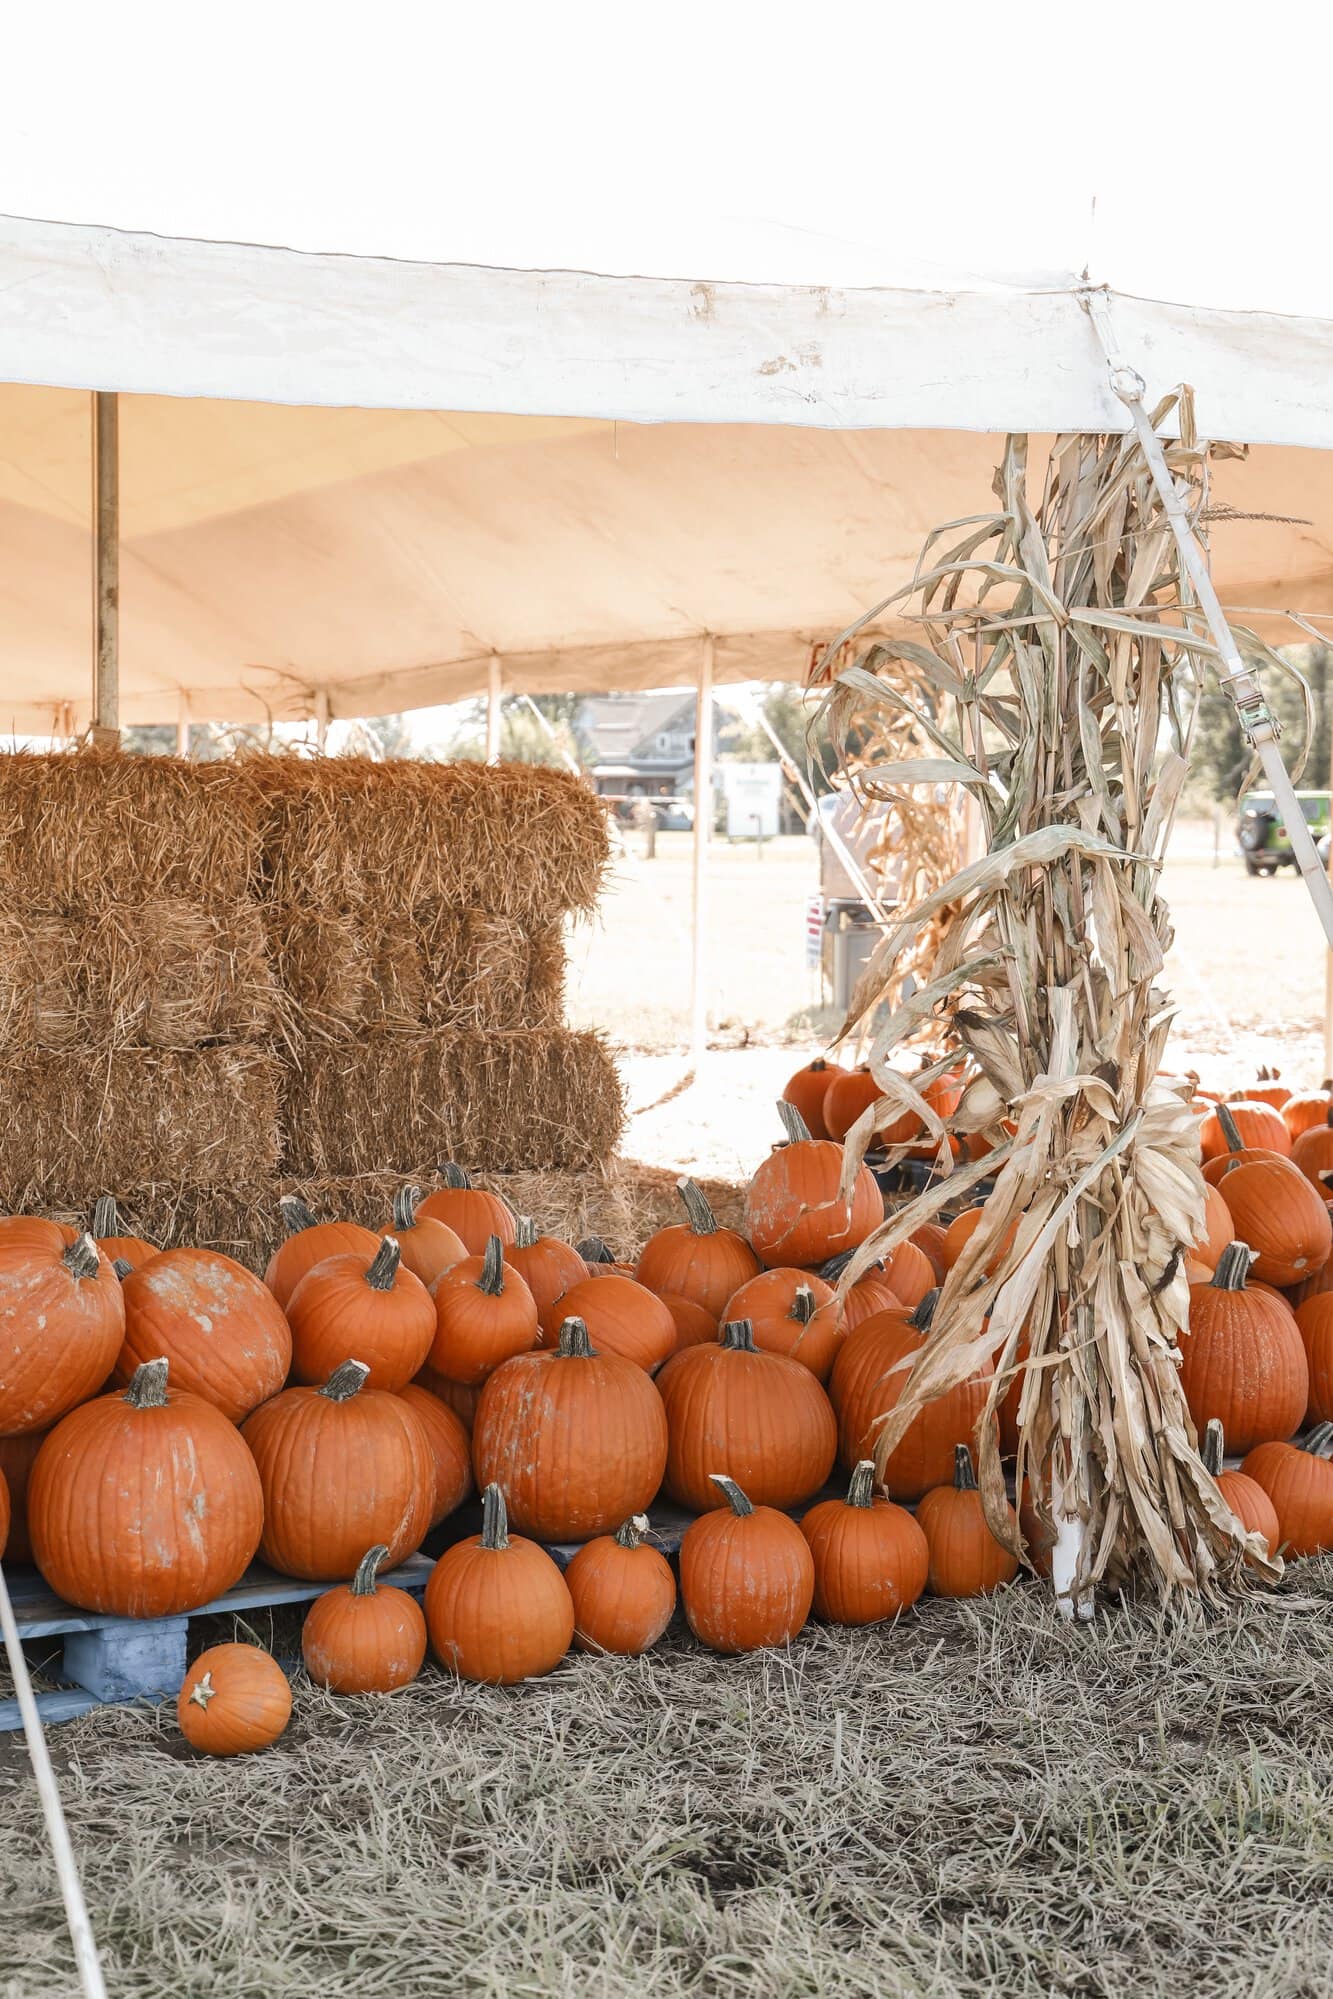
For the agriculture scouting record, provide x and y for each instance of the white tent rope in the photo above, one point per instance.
(71, 1891)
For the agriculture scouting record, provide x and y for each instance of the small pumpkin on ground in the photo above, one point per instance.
(622, 1316)
(1241, 1357)
(791, 1312)
(450, 1447)
(106, 1232)
(484, 1314)
(308, 1241)
(747, 1576)
(794, 1212)
(498, 1609)
(364, 1637)
(761, 1417)
(807, 1090)
(473, 1215)
(547, 1266)
(370, 1306)
(623, 1592)
(426, 1245)
(1245, 1496)
(965, 1557)
(235, 1699)
(1298, 1479)
(697, 1258)
(870, 1556)
(62, 1320)
(221, 1329)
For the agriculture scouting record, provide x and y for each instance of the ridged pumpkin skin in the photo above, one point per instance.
(473, 1215)
(909, 1274)
(1281, 1216)
(759, 1418)
(1302, 1113)
(62, 1320)
(1247, 1500)
(1218, 1229)
(694, 1326)
(960, 1233)
(624, 1592)
(965, 1557)
(850, 1094)
(144, 1504)
(1314, 1322)
(462, 1400)
(497, 1608)
(1254, 1124)
(218, 1326)
(622, 1316)
(364, 1637)
(575, 1439)
(235, 1699)
(484, 1314)
(343, 1468)
(870, 1556)
(18, 1455)
(426, 1246)
(869, 1295)
(547, 1266)
(1299, 1482)
(1242, 1361)
(1312, 1152)
(308, 1242)
(867, 1383)
(450, 1449)
(369, 1306)
(791, 1312)
(930, 1238)
(697, 1258)
(794, 1213)
(807, 1089)
(104, 1227)
(747, 1577)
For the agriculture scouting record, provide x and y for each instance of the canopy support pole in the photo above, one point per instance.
(106, 570)
(494, 701)
(703, 829)
(321, 718)
(183, 725)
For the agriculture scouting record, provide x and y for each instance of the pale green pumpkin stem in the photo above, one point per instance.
(123, 1268)
(630, 1532)
(1319, 1443)
(346, 1381)
(525, 1232)
(737, 1336)
(296, 1216)
(453, 1176)
(1233, 1267)
(1230, 1129)
(964, 1477)
(1213, 1448)
(492, 1279)
(405, 1203)
(861, 1489)
(82, 1258)
(574, 1342)
(106, 1217)
(735, 1498)
(363, 1582)
(795, 1126)
(494, 1518)
(925, 1311)
(148, 1386)
(701, 1218)
(384, 1267)
(802, 1305)
(593, 1250)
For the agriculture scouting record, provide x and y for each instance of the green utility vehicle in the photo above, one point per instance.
(1263, 837)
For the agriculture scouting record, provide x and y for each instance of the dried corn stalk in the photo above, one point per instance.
(1062, 668)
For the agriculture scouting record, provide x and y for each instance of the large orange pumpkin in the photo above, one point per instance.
(850, 1094)
(760, 1418)
(106, 1231)
(791, 1312)
(343, 1467)
(622, 1316)
(18, 1455)
(221, 1329)
(1300, 1113)
(1298, 1478)
(870, 1294)
(576, 1439)
(1246, 1498)
(547, 1266)
(469, 1211)
(497, 1608)
(965, 1557)
(694, 1326)
(145, 1504)
(960, 1233)
(369, 1306)
(1231, 1127)
(484, 1313)
(1280, 1215)
(1314, 1322)
(697, 1258)
(1242, 1361)
(747, 1577)
(807, 1090)
(868, 1379)
(235, 1699)
(62, 1319)
(870, 1556)
(364, 1637)
(794, 1213)
(623, 1591)
(306, 1242)
(426, 1245)
(450, 1449)
(462, 1400)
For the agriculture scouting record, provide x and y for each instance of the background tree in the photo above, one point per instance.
(1222, 757)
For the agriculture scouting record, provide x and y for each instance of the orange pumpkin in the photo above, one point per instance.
(623, 1592)
(235, 1698)
(575, 1439)
(484, 1314)
(1314, 1322)
(427, 1246)
(871, 1293)
(369, 1306)
(747, 1577)
(307, 1242)
(226, 1338)
(1245, 1497)
(364, 1637)
(1280, 1215)
(1241, 1357)
(867, 1381)
(1218, 1230)
(960, 1233)
(1300, 1113)
(1313, 1153)
(930, 1238)
(794, 1213)
(547, 1266)
(473, 1215)
(1298, 1479)
(1243, 1126)
(853, 1092)
(965, 1557)
(62, 1319)
(760, 1418)
(497, 1608)
(807, 1090)
(106, 1232)
(909, 1274)
(318, 1519)
(870, 1556)
(1267, 1090)
(622, 1317)
(462, 1400)
(697, 1258)
(18, 1455)
(791, 1312)
(450, 1449)
(694, 1326)
(599, 1261)
(145, 1504)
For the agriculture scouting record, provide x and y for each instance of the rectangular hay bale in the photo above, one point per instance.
(485, 971)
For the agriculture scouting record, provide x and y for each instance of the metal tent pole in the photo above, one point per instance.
(183, 725)
(703, 829)
(494, 701)
(106, 570)
(321, 718)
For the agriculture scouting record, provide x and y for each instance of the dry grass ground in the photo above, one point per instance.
(980, 1800)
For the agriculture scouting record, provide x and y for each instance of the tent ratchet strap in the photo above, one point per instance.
(1237, 681)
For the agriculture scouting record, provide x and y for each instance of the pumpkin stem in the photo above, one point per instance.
(736, 1499)
(593, 1250)
(106, 1220)
(925, 1311)
(802, 1305)
(81, 1259)
(1213, 1448)
(795, 1126)
(1230, 1129)
(405, 1208)
(122, 1268)
(574, 1343)
(345, 1381)
(861, 1490)
(701, 1217)
(1233, 1267)
(525, 1232)
(148, 1386)
(384, 1268)
(737, 1336)
(630, 1532)
(1319, 1443)
(964, 1478)
(202, 1692)
(494, 1519)
(453, 1176)
(363, 1582)
(492, 1279)
(295, 1215)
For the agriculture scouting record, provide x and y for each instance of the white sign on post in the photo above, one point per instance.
(754, 796)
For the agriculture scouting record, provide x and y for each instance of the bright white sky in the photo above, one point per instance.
(838, 143)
